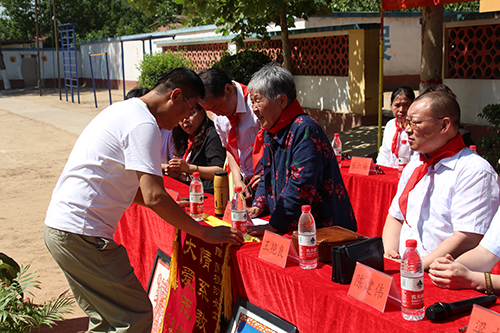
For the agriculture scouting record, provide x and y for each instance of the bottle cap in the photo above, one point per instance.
(411, 243)
(306, 208)
(336, 135)
(403, 142)
(237, 189)
(221, 173)
(196, 174)
(473, 147)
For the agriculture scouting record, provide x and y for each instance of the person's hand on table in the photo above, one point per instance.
(216, 235)
(447, 273)
(178, 164)
(391, 254)
(258, 230)
(171, 172)
(183, 203)
(254, 211)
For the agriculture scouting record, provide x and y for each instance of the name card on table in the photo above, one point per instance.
(483, 320)
(277, 249)
(373, 287)
(174, 194)
(362, 166)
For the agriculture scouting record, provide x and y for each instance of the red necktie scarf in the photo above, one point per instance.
(394, 147)
(453, 147)
(287, 116)
(232, 139)
(186, 153)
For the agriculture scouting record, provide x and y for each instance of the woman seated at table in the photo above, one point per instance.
(298, 160)
(394, 132)
(196, 140)
(467, 271)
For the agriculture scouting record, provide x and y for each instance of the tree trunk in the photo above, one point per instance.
(431, 62)
(285, 42)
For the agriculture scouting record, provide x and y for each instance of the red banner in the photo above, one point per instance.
(403, 4)
(198, 302)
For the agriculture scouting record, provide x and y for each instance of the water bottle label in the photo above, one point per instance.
(412, 292)
(196, 197)
(239, 220)
(307, 247)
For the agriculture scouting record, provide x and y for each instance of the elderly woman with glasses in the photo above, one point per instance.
(299, 167)
(394, 132)
(197, 148)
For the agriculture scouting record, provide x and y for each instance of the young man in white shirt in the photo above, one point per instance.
(447, 198)
(116, 161)
(231, 105)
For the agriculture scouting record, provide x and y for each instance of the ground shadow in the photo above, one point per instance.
(74, 325)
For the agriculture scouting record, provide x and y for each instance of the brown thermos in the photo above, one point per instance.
(221, 192)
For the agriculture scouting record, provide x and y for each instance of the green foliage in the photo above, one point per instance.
(154, 66)
(95, 19)
(490, 143)
(19, 314)
(242, 65)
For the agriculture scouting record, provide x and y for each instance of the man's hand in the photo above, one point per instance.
(447, 273)
(216, 235)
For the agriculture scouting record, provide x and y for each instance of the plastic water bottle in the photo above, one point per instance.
(308, 251)
(403, 156)
(239, 211)
(412, 283)
(196, 197)
(337, 147)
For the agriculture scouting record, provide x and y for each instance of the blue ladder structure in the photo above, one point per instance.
(70, 62)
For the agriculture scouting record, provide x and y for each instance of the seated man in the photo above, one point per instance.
(446, 198)
(298, 160)
(234, 121)
(467, 272)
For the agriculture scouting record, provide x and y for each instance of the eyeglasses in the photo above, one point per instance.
(413, 124)
(193, 111)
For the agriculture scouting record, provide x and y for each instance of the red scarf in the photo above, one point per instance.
(232, 138)
(450, 149)
(287, 116)
(190, 144)
(394, 147)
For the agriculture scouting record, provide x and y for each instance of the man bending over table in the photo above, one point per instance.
(116, 161)
(298, 160)
(446, 199)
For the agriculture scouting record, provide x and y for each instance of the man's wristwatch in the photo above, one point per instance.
(489, 285)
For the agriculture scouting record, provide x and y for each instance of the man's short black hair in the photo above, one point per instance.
(215, 81)
(183, 78)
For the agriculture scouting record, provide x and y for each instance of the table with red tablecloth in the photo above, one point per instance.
(307, 299)
(371, 197)
(311, 301)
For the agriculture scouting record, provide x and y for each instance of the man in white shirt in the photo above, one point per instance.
(446, 199)
(232, 108)
(116, 161)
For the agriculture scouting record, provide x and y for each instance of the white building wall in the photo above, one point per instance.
(323, 92)
(473, 96)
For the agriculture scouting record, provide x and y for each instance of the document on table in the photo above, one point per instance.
(257, 221)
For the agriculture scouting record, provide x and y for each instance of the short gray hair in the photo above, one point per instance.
(272, 81)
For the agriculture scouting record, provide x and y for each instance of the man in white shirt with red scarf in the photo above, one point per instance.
(234, 121)
(447, 198)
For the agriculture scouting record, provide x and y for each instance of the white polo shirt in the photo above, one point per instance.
(246, 131)
(460, 193)
(99, 181)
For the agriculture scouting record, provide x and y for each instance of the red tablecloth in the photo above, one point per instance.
(312, 302)
(371, 197)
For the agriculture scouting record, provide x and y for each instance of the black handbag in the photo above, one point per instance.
(369, 252)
